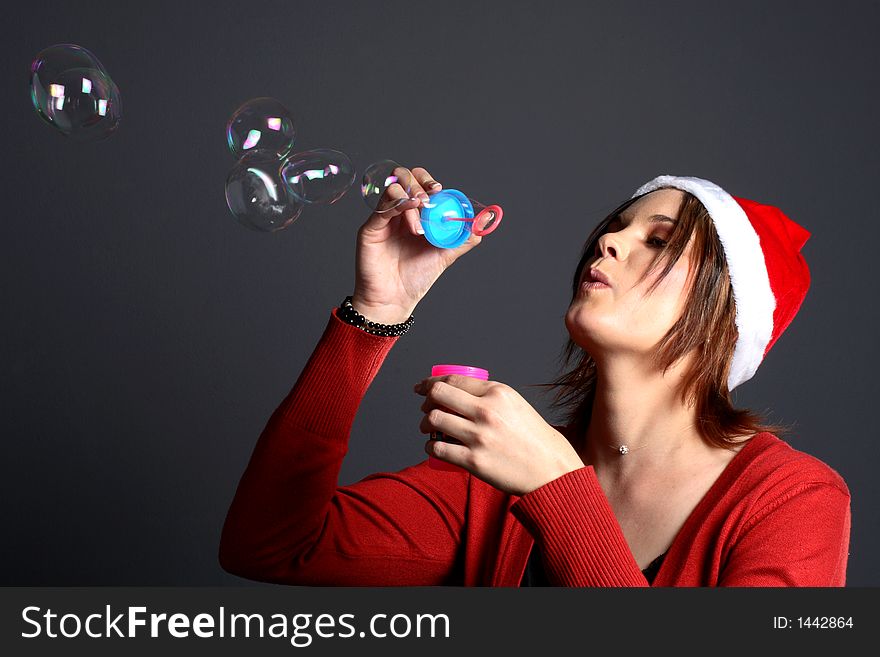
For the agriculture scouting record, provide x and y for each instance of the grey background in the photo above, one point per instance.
(147, 337)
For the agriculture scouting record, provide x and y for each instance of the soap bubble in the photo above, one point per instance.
(318, 176)
(83, 103)
(72, 90)
(258, 197)
(261, 124)
(378, 177)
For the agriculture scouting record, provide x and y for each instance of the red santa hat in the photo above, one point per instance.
(768, 274)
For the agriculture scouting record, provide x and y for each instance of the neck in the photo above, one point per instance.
(642, 410)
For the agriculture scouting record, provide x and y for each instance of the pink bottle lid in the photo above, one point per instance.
(465, 370)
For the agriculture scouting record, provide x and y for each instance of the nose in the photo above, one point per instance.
(611, 245)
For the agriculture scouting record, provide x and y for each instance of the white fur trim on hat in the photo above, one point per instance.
(749, 279)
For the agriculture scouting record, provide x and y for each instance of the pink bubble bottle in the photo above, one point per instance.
(464, 370)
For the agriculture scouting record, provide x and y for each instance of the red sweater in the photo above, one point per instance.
(775, 516)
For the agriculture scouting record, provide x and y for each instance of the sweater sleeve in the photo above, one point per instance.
(580, 538)
(799, 539)
(289, 521)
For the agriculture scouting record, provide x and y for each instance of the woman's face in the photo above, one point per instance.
(620, 318)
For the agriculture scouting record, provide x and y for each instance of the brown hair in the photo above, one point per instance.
(707, 325)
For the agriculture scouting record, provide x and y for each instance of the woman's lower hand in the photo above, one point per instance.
(395, 265)
(504, 440)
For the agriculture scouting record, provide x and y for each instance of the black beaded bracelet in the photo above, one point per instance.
(349, 315)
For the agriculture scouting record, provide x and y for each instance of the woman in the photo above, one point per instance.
(654, 480)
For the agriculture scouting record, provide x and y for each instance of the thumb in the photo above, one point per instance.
(457, 252)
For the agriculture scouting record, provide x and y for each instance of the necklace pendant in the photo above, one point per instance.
(623, 449)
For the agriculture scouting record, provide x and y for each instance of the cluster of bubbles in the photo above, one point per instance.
(270, 185)
(72, 91)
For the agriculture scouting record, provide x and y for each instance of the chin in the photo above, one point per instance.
(597, 337)
(583, 335)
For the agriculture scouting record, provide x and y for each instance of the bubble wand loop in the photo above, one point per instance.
(484, 223)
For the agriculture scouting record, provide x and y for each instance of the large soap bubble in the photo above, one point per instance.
(320, 176)
(257, 196)
(261, 124)
(81, 103)
(72, 91)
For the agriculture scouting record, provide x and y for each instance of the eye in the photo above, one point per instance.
(659, 243)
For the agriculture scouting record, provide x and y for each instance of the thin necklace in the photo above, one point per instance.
(623, 450)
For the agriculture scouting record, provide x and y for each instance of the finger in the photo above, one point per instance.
(428, 404)
(449, 452)
(473, 385)
(458, 400)
(410, 184)
(471, 242)
(413, 218)
(426, 180)
(449, 424)
(419, 180)
(395, 203)
(405, 178)
(392, 198)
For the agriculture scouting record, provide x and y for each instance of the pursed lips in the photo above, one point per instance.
(597, 276)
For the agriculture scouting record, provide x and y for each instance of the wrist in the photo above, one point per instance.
(564, 467)
(381, 313)
(350, 315)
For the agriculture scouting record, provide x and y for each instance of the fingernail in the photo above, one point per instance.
(424, 197)
(420, 230)
(433, 184)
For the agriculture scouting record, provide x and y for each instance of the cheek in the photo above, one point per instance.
(646, 318)
(607, 322)
(669, 298)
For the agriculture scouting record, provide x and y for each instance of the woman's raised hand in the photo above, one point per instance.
(395, 265)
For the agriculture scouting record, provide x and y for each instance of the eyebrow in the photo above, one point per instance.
(654, 219)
